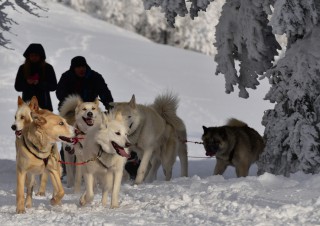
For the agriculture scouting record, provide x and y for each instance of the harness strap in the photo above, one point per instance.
(45, 160)
(77, 139)
(102, 164)
(85, 162)
(187, 141)
(98, 156)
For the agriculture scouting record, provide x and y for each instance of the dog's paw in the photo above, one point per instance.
(28, 202)
(41, 193)
(82, 201)
(138, 180)
(114, 206)
(20, 211)
(55, 202)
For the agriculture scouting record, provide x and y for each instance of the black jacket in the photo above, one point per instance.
(47, 83)
(88, 88)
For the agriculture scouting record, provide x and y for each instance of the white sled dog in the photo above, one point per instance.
(22, 119)
(106, 151)
(34, 155)
(83, 115)
(157, 134)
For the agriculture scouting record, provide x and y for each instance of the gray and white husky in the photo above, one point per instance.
(107, 151)
(156, 134)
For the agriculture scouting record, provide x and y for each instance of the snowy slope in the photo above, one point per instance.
(133, 65)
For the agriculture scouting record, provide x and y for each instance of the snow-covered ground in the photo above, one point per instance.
(133, 65)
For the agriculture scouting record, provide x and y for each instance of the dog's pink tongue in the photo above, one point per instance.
(89, 122)
(18, 132)
(210, 154)
(123, 153)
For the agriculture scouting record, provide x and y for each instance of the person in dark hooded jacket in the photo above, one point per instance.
(80, 79)
(36, 77)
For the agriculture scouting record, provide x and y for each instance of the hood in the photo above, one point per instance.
(35, 48)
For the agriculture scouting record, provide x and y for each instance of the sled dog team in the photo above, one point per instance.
(99, 143)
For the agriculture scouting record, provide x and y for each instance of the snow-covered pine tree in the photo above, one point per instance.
(293, 126)
(6, 21)
(171, 8)
(244, 33)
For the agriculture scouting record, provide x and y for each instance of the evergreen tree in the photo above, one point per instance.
(293, 127)
(245, 33)
(5, 20)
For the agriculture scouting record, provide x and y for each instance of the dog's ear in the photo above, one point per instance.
(104, 119)
(20, 101)
(96, 101)
(38, 119)
(132, 102)
(34, 105)
(79, 101)
(119, 116)
(205, 129)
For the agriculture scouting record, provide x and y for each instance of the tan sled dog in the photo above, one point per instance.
(153, 133)
(34, 155)
(234, 144)
(22, 119)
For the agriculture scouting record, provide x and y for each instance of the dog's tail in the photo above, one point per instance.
(236, 123)
(166, 105)
(67, 109)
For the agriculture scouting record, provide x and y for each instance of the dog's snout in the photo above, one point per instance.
(89, 114)
(128, 144)
(14, 127)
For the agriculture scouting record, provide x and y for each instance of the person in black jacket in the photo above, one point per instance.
(82, 80)
(36, 77)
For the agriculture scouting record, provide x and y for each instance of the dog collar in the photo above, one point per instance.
(37, 149)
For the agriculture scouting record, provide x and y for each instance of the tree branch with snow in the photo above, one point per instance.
(6, 21)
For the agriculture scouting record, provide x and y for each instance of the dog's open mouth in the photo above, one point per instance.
(211, 153)
(211, 149)
(66, 139)
(18, 133)
(89, 121)
(120, 150)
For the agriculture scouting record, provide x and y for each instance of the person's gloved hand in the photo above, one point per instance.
(108, 107)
